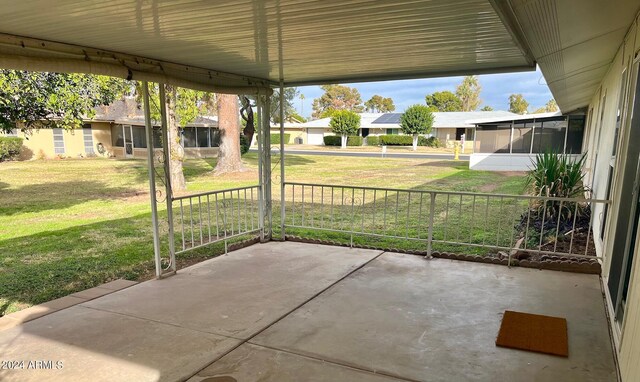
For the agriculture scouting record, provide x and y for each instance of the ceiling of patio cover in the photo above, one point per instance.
(257, 43)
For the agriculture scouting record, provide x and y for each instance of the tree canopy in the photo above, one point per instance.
(290, 114)
(486, 108)
(344, 122)
(417, 119)
(336, 97)
(379, 104)
(443, 101)
(550, 107)
(469, 93)
(55, 99)
(517, 104)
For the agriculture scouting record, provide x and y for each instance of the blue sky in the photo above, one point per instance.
(496, 89)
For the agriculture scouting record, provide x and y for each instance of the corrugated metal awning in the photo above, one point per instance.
(238, 44)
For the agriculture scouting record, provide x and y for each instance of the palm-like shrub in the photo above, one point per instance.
(557, 175)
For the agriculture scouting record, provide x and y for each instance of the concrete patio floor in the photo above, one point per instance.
(303, 312)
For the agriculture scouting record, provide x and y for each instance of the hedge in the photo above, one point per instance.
(336, 140)
(396, 140)
(275, 138)
(373, 140)
(407, 140)
(9, 148)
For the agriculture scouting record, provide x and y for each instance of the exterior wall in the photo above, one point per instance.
(38, 144)
(599, 142)
(101, 134)
(294, 133)
(502, 162)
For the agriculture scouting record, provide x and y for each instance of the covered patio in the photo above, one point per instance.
(284, 311)
(293, 311)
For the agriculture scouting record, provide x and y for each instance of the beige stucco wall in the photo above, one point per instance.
(294, 133)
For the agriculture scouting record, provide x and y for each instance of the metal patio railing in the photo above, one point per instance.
(209, 217)
(452, 221)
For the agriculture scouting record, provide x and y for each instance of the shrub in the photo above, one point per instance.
(557, 175)
(244, 144)
(429, 142)
(336, 140)
(344, 122)
(396, 140)
(373, 140)
(10, 148)
(275, 138)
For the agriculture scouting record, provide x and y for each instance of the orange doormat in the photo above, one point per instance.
(533, 332)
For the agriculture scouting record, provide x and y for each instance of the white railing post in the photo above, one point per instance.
(432, 211)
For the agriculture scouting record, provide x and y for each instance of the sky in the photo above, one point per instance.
(496, 89)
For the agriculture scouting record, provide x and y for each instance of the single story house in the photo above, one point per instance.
(511, 144)
(449, 127)
(116, 130)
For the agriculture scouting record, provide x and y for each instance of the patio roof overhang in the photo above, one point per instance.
(573, 41)
(232, 46)
(246, 46)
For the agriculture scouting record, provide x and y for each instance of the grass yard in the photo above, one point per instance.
(68, 225)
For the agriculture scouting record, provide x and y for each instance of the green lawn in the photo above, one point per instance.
(68, 225)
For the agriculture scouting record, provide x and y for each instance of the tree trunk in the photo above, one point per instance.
(176, 152)
(247, 114)
(229, 125)
(415, 142)
(344, 141)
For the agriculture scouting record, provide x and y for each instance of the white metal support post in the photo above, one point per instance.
(282, 200)
(266, 167)
(152, 179)
(166, 155)
(260, 103)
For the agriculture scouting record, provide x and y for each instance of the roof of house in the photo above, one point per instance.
(514, 117)
(128, 112)
(450, 119)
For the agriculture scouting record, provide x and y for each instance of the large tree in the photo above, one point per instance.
(290, 94)
(443, 101)
(229, 125)
(379, 104)
(183, 106)
(550, 107)
(517, 104)
(344, 123)
(469, 93)
(336, 97)
(417, 119)
(36, 99)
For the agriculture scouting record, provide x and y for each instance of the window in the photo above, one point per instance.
(493, 138)
(522, 135)
(215, 137)
(202, 136)
(620, 112)
(87, 138)
(550, 137)
(58, 141)
(117, 137)
(157, 138)
(139, 137)
(189, 137)
(392, 131)
(575, 134)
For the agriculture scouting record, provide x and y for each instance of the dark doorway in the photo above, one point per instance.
(365, 132)
(460, 133)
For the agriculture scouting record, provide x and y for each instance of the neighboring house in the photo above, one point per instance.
(116, 130)
(449, 127)
(511, 144)
(297, 132)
